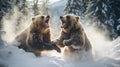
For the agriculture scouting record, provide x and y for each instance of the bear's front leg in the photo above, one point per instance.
(59, 43)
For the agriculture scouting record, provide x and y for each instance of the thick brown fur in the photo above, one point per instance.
(36, 38)
(73, 35)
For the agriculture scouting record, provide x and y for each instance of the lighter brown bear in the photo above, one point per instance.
(73, 36)
(36, 38)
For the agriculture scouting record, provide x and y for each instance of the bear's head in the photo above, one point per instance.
(40, 22)
(69, 22)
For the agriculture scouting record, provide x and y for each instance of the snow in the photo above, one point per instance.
(105, 56)
(105, 53)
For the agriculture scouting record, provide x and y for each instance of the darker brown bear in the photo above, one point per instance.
(36, 37)
(73, 35)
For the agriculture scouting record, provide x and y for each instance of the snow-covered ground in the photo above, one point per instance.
(106, 53)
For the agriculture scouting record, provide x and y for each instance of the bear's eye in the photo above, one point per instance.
(68, 17)
(42, 17)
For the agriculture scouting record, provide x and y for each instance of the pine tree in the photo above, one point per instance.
(41, 8)
(5, 7)
(115, 4)
(44, 8)
(103, 12)
(77, 7)
(35, 7)
(22, 6)
(7, 10)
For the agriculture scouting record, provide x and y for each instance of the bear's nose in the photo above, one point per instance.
(61, 17)
(48, 16)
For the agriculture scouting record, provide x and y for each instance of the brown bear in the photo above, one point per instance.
(36, 37)
(73, 36)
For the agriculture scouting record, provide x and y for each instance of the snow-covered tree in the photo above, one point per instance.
(5, 6)
(77, 7)
(3, 10)
(35, 7)
(7, 10)
(40, 7)
(45, 7)
(103, 12)
(115, 4)
(22, 6)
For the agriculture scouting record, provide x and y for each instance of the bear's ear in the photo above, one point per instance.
(33, 18)
(77, 18)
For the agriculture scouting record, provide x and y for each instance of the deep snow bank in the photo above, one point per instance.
(105, 54)
(11, 56)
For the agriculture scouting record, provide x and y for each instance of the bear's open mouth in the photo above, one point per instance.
(47, 23)
(63, 24)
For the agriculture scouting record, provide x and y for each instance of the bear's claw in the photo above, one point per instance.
(56, 48)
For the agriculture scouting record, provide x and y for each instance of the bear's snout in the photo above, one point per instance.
(48, 17)
(61, 17)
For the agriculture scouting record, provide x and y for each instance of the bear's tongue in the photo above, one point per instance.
(46, 24)
(63, 24)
